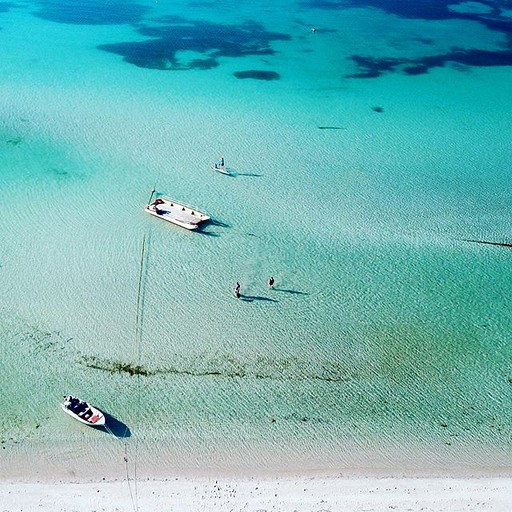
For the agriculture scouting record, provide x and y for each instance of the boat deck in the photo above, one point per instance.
(177, 213)
(86, 414)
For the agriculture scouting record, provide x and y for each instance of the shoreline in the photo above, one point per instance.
(86, 461)
(173, 473)
(283, 492)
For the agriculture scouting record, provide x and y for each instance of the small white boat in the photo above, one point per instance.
(220, 166)
(177, 213)
(82, 411)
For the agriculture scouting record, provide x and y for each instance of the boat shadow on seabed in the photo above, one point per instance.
(293, 292)
(115, 427)
(251, 298)
(211, 222)
(235, 174)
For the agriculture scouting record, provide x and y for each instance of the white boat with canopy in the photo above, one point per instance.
(82, 411)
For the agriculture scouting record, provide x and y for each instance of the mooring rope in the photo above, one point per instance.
(136, 351)
(134, 500)
(125, 458)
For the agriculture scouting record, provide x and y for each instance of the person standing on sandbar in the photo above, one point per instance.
(271, 283)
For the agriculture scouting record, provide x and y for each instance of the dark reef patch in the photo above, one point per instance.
(491, 17)
(59, 173)
(45, 342)
(7, 6)
(117, 366)
(63, 175)
(262, 368)
(418, 69)
(210, 41)
(92, 12)
(257, 75)
(419, 9)
(371, 67)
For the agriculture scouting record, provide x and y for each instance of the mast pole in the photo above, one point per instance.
(151, 196)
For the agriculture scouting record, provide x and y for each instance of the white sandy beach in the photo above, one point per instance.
(281, 493)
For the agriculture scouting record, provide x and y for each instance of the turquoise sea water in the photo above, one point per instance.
(366, 159)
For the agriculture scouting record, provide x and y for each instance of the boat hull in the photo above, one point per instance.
(222, 170)
(97, 419)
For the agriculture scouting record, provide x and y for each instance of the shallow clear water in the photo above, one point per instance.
(356, 182)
